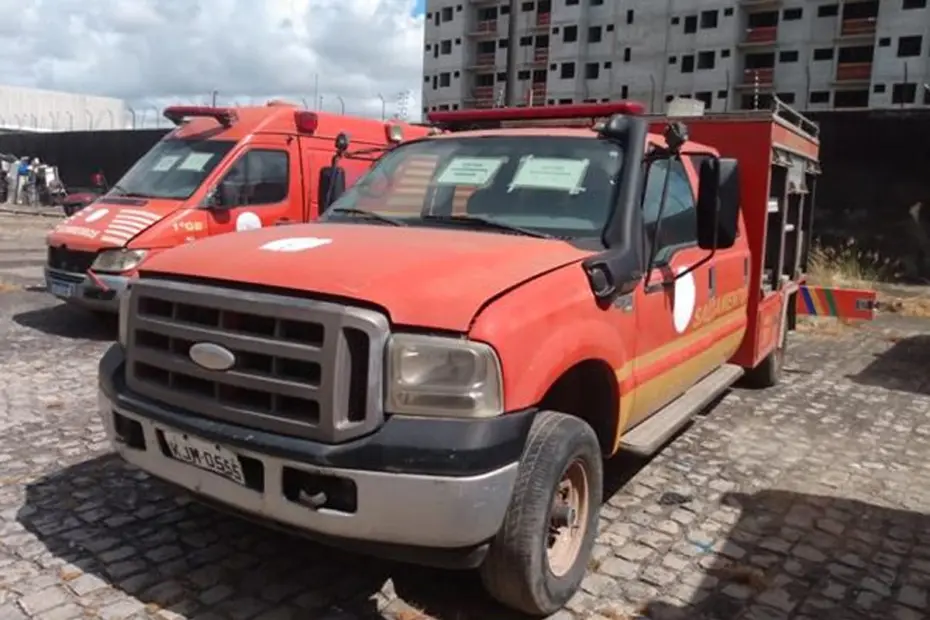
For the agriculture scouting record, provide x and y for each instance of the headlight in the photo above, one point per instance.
(124, 306)
(443, 377)
(117, 261)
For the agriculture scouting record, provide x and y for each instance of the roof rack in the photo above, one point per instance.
(793, 117)
(549, 115)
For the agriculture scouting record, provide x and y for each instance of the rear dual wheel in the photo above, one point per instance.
(539, 557)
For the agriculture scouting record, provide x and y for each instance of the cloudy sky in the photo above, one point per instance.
(155, 52)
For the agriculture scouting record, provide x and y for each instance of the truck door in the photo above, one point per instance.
(671, 347)
(261, 188)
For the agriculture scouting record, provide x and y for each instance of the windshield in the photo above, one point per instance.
(558, 186)
(173, 169)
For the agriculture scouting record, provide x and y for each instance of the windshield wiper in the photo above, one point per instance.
(488, 223)
(370, 215)
(126, 194)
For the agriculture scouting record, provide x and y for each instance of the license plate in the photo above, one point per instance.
(205, 455)
(61, 289)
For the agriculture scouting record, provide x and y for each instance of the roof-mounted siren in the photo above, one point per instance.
(306, 122)
(580, 115)
(685, 107)
(178, 114)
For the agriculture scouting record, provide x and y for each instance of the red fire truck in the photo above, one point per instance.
(436, 369)
(221, 170)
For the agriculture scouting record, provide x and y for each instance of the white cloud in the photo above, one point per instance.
(156, 52)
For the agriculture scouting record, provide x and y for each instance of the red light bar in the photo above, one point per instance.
(306, 122)
(224, 116)
(539, 113)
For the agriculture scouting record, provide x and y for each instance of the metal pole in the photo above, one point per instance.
(342, 104)
(903, 94)
(316, 87)
(383, 106)
(215, 93)
(755, 90)
(510, 86)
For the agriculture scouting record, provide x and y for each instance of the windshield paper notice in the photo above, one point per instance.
(195, 161)
(166, 163)
(550, 173)
(477, 171)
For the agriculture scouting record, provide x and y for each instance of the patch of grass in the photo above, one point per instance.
(847, 266)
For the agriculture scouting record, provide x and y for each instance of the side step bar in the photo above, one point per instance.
(648, 436)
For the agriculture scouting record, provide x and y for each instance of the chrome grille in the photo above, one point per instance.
(303, 367)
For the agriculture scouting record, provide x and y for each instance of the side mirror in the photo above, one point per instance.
(332, 185)
(219, 198)
(718, 203)
(342, 142)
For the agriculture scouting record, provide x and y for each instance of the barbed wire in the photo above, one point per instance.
(151, 116)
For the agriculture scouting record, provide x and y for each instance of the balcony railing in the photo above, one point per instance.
(766, 35)
(858, 27)
(854, 72)
(485, 60)
(485, 27)
(542, 22)
(541, 54)
(763, 77)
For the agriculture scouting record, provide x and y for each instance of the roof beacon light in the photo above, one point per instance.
(306, 122)
(224, 116)
(394, 133)
(555, 115)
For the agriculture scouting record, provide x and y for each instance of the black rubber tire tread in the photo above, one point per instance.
(769, 371)
(516, 571)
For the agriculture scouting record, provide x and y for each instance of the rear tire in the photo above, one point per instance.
(540, 555)
(770, 370)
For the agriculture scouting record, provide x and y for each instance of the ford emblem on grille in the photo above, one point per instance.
(212, 356)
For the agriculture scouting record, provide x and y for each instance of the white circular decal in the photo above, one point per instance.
(298, 244)
(683, 301)
(96, 215)
(248, 221)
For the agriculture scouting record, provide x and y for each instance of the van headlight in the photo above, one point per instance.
(117, 261)
(442, 377)
(125, 301)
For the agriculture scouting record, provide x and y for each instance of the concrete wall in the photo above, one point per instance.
(30, 109)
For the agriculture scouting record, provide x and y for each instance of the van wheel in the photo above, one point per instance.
(540, 555)
(770, 370)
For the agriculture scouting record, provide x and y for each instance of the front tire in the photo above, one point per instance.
(540, 555)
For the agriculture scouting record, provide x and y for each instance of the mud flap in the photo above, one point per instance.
(841, 303)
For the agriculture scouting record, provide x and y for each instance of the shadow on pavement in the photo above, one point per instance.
(67, 322)
(115, 525)
(800, 556)
(902, 367)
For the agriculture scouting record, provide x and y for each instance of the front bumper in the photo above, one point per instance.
(428, 491)
(81, 290)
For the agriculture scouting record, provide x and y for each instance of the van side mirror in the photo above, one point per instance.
(718, 203)
(342, 142)
(332, 185)
(220, 198)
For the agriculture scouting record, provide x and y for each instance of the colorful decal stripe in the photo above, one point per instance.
(854, 304)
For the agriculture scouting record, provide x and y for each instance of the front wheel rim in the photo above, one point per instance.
(568, 518)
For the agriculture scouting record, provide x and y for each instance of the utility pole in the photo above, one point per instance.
(513, 45)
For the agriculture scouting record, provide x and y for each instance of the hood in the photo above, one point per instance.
(429, 277)
(110, 222)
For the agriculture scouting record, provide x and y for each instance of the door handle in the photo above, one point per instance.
(712, 280)
(283, 222)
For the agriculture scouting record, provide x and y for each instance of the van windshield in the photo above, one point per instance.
(173, 169)
(559, 186)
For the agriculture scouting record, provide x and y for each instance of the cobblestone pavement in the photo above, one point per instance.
(810, 500)
(22, 248)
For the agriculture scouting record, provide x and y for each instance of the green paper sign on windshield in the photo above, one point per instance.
(477, 171)
(550, 173)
